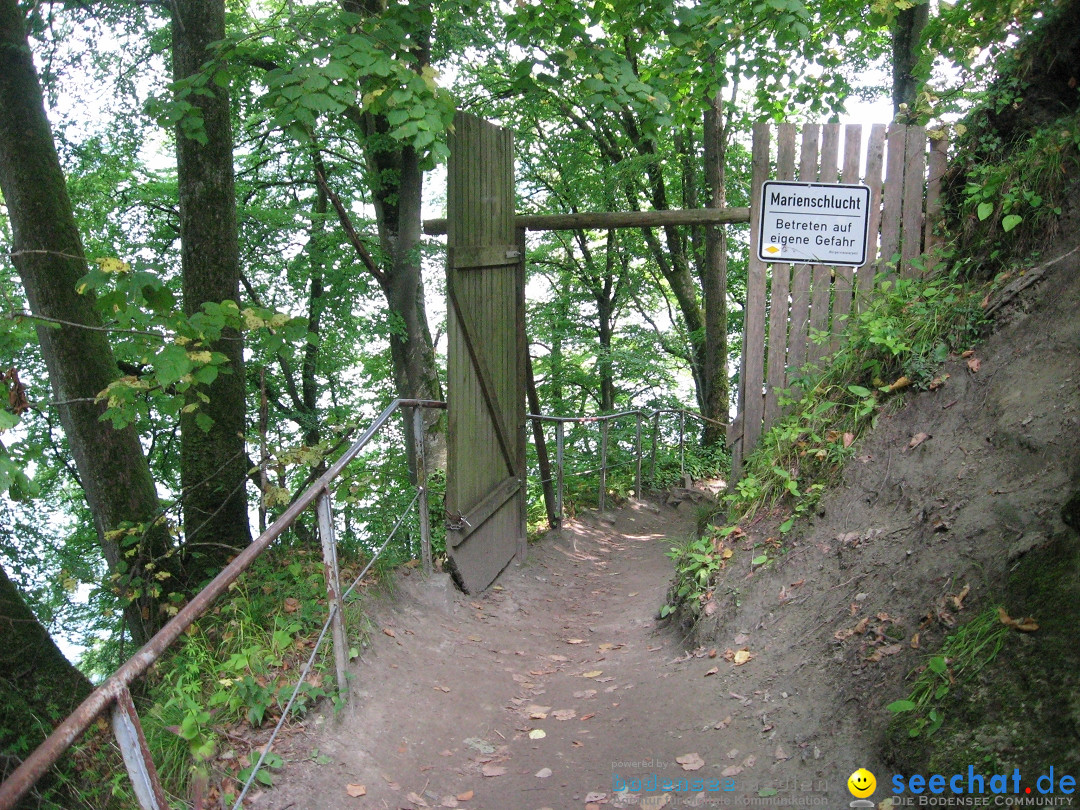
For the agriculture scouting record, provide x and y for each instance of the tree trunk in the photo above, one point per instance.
(714, 278)
(47, 252)
(906, 44)
(213, 462)
(38, 686)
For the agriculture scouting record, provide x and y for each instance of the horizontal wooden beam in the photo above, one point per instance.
(614, 219)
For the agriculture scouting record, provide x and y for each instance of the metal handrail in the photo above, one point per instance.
(555, 509)
(114, 690)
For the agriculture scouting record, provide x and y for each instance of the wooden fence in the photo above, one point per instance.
(788, 306)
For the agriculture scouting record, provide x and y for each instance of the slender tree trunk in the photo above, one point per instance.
(213, 462)
(906, 46)
(48, 254)
(714, 277)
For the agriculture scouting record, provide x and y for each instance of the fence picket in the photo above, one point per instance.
(776, 364)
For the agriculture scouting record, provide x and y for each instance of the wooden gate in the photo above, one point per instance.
(485, 286)
(802, 301)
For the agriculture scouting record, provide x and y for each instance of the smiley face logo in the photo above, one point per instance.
(861, 783)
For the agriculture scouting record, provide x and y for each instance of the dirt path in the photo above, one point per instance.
(451, 703)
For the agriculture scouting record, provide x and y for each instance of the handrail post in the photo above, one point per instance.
(132, 742)
(637, 450)
(603, 461)
(333, 587)
(421, 486)
(560, 442)
(682, 445)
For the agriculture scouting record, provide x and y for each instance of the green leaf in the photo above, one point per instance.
(1010, 222)
(761, 559)
(859, 391)
(171, 364)
(204, 421)
(766, 792)
(898, 706)
(938, 664)
(985, 210)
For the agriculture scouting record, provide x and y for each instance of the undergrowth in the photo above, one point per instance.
(961, 657)
(896, 343)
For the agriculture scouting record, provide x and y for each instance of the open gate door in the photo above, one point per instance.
(485, 285)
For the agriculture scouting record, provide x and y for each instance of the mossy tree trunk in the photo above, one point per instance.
(213, 462)
(48, 254)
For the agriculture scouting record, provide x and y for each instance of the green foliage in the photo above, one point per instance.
(236, 668)
(962, 655)
(1013, 193)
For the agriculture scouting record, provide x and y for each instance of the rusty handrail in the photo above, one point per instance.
(116, 685)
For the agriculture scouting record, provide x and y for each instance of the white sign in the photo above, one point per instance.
(813, 223)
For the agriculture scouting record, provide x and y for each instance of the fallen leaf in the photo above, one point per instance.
(543, 773)
(595, 673)
(750, 761)
(356, 790)
(608, 646)
(849, 438)
(448, 801)
(901, 383)
(575, 641)
(723, 723)
(558, 658)
(958, 600)
(937, 382)
(742, 656)
(535, 734)
(492, 770)
(967, 353)
(441, 688)
(564, 714)
(860, 628)
(732, 770)
(690, 762)
(538, 716)
(475, 638)
(915, 642)
(780, 754)
(712, 671)
(973, 364)
(734, 752)
(416, 799)
(585, 694)
(843, 634)
(388, 632)
(712, 653)
(291, 604)
(1025, 625)
(588, 716)
(710, 608)
(595, 796)
(891, 649)
(918, 439)
(464, 797)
